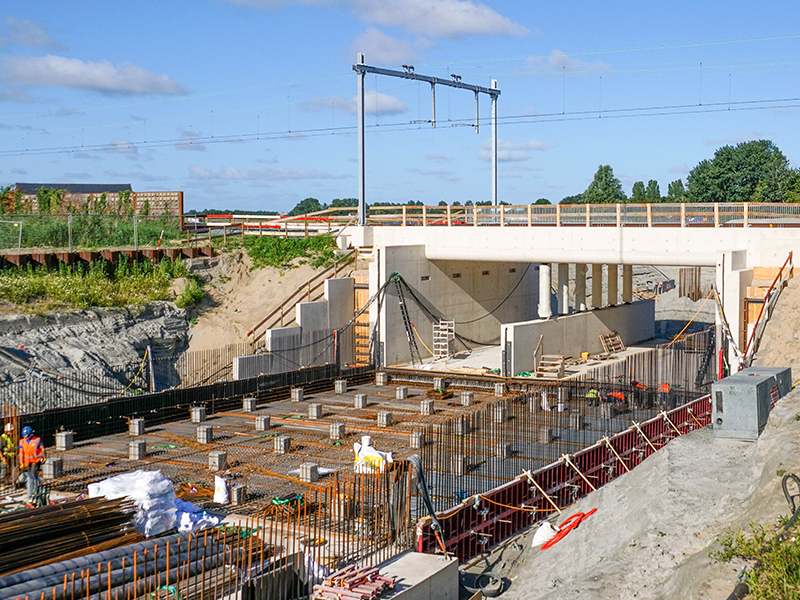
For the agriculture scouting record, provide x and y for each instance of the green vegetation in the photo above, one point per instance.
(93, 224)
(191, 294)
(605, 188)
(754, 171)
(274, 251)
(39, 290)
(777, 571)
(95, 231)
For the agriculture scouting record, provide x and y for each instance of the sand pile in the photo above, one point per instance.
(654, 526)
(239, 297)
(780, 346)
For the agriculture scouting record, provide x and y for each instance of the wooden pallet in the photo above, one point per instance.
(612, 343)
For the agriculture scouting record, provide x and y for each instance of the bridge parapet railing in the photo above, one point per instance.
(706, 214)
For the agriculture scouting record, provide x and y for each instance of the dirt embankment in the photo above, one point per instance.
(780, 346)
(654, 526)
(238, 297)
(86, 339)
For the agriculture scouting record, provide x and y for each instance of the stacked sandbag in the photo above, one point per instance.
(150, 491)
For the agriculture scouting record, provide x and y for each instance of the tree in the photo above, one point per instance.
(754, 171)
(305, 206)
(653, 192)
(637, 193)
(576, 199)
(343, 202)
(676, 192)
(605, 188)
(542, 201)
(6, 199)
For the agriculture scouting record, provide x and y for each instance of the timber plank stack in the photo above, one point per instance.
(353, 584)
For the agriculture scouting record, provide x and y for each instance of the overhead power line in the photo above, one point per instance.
(631, 112)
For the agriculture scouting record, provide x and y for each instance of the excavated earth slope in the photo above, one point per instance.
(79, 340)
(654, 526)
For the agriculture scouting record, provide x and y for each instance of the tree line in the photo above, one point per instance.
(754, 171)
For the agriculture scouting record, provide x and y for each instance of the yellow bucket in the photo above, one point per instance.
(584, 356)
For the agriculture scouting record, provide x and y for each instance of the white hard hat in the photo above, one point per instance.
(9, 427)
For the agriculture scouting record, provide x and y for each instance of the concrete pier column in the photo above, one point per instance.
(597, 285)
(627, 283)
(580, 287)
(562, 292)
(545, 309)
(613, 296)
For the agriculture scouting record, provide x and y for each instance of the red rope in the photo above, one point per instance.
(568, 525)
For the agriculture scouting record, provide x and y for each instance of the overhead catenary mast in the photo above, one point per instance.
(408, 73)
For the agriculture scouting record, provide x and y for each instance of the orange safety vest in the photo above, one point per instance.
(31, 450)
(640, 385)
(664, 387)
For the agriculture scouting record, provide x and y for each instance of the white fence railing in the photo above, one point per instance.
(592, 215)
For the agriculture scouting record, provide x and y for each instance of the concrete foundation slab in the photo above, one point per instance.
(422, 577)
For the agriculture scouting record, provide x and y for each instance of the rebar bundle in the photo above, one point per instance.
(34, 537)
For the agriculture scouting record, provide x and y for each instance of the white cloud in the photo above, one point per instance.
(382, 49)
(189, 141)
(438, 19)
(438, 158)
(27, 33)
(102, 76)
(438, 173)
(18, 171)
(559, 61)
(69, 177)
(121, 146)
(137, 175)
(228, 173)
(375, 103)
(510, 152)
(14, 95)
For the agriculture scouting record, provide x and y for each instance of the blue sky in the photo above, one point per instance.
(250, 104)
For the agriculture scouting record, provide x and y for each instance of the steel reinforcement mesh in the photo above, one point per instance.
(485, 519)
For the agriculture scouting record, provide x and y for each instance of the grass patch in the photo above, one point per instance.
(777, 574)
(283, 253)
(92, 231)
(191, 294)
(40, 290)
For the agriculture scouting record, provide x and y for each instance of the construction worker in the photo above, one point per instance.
(31, 457)
(618, 397)
(593, 397)
(639, 393)
(664, 396)
(8, 451)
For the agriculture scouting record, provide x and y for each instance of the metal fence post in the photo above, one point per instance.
(135, 232)
(69, 230)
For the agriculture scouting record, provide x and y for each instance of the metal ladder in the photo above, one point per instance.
(412, 340)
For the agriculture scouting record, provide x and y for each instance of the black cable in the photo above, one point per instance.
(419, 302)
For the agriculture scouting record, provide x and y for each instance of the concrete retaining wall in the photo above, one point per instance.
(569, 335)
(459, 290)
(309, 343)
